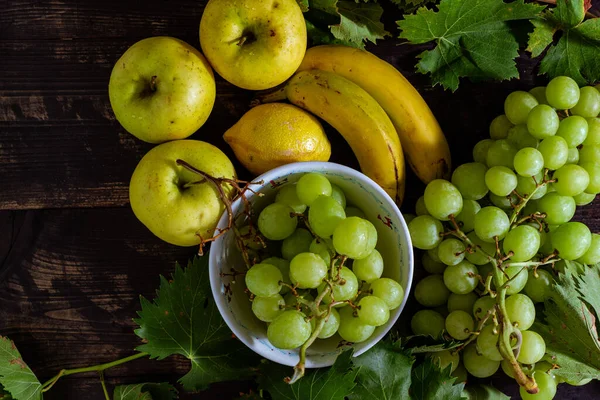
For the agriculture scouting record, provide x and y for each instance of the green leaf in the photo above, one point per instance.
(429, 382)
(4, 395)
(145, 391)
(484, 392)
(359, 23)
(541, 37)
(334, 383)
(184, 320)
(304, 6)
(589, 283)
(569, 13)
(569, 327)
(472, 39)
(16, 377)
(427, 344)
(384, 373)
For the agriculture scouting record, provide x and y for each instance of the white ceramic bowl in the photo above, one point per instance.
(393, 243)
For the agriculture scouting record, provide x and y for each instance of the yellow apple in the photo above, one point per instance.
(162, 89)
(165, 199)
(254, 44)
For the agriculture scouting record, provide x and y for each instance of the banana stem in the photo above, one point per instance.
(270, 96)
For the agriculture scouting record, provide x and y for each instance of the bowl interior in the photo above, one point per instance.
(393, 244)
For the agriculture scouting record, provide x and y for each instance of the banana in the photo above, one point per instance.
(359, 119)
(423, 141)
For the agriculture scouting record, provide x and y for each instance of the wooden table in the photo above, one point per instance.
(74, 259)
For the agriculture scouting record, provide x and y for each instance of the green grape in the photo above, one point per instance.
(250, 238)
(542, 121)
(442, 199)
(462, 302)
(501, 153)
(451, 251)
(480, 150)
(519, 279)
(445, 358)
(428, 322)
(533, 348)
(276, 221)
(589, 154)
(500, 180)
(431, 291)
(482, 306)
(562, 93)
(518, 105)
(539, 288)
(467, 215)
(546, 387)
(593, 135)
(284, 267)
(338, 194)
(478, 365)
(506, 367)
(528, 162)
(289, 330)
(532, 205)
(481, 253)
(264, 280)
(520, 137)
(332, 323)
(460, 374)
(573, 129)
(459, 325)
(491, 222)
(369, 268)
(583, 199)
(323, 248)
(355, 212)
(442, 310)
(432, 266)
(425, 232)
(341, 292)
(499, 127)
(433, 253)
(461, 278)
(351, 328)
(312, 185)
(571, 240)
(558, 209)
(503, 202)
(485, 270)
(469, 179)
(420, 208)
(287, 195)
(373, 311)
(571, 180)
(546, 239)
(408, 217)
(487, 344)
(555, 152)
(267, 308)
(523, 241)
(520, 309)
(527, 186)
(291, 300)
(592, 255)
(389, 291)
(298, 242)
(324, 215)
(573, 157)
(307, 270)
(539, 93)
(593, 171)
(356, 237)
(588, 105)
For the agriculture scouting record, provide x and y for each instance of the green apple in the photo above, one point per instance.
(254, 44)
(164, 199)
(162, 89)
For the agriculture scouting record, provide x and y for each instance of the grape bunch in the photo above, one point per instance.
(322, 277)
(496, 235)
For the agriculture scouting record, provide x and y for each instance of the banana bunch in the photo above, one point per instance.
(379, 113)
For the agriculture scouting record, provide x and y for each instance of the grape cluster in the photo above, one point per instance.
(327, 275)
(498, 232)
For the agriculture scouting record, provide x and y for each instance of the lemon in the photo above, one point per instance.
(275, 134)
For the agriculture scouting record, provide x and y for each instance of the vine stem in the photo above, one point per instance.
(94, 368)
(106, 395)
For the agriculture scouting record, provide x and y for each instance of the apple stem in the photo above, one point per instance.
(153, 83)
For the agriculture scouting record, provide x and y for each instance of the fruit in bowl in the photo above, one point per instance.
(320, 277)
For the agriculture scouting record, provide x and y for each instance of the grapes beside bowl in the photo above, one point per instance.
(364, 198)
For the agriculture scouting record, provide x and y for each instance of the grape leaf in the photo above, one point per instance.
(145, 391)
(569, 13)
(484, 392)
(569, 327)
(426, 344)
(384, 373)
(4, 395)
(16, 377)
(304, 6)
(540, 37)
(429, 382)
(334, 383)
(184, 319)
(472, 39)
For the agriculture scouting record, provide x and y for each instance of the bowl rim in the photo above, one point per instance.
(306, 167)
